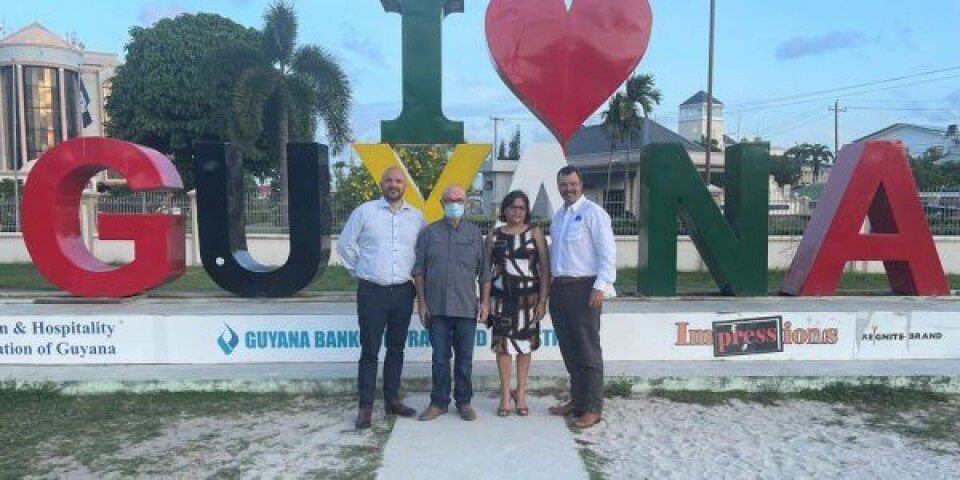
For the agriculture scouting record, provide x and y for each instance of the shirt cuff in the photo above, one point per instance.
(599, 284)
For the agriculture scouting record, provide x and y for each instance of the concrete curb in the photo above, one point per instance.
(489, 384)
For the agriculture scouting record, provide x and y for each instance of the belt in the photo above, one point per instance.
(566, 280)
(377, 285)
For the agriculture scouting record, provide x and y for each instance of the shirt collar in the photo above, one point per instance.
(576, 205)
(383, 204)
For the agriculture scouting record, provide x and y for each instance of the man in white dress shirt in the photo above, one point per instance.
(582, 264)
(377, 246)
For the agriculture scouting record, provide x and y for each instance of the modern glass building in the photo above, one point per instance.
(51, 89)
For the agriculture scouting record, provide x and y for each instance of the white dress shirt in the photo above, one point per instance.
(582, 243)
(378, 245)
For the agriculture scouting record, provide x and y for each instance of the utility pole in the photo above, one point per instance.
(836, 127)
(493, 151)
(709, 142)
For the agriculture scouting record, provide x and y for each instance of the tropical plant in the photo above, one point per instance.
(281, 97)
(165, 97)
(621, 118)
(784, 170)
(814, 154)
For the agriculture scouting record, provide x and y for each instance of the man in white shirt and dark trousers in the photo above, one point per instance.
(377, 247)
(582, 263)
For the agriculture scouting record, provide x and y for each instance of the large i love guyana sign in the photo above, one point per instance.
(563, 64)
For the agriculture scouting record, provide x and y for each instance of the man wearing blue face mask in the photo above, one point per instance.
(450, 263)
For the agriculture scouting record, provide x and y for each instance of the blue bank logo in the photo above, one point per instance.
(228, 340)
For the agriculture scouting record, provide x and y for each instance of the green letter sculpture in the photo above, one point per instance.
(421, 120)
(735, 252)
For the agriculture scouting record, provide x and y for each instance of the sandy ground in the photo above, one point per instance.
(655, 438)
(316, 439)
(641, 437)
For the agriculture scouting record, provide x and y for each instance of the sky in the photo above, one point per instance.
(779, 65)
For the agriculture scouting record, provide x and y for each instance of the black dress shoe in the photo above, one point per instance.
(364, 419)
(399, 409)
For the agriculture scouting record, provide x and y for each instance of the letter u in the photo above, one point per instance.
(223, 243)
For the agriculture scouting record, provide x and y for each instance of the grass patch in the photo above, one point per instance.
(25, 277)
(592, 461)
(711, 399)
(917, 414)
(43, 423)
(701, 283)
(618, 388)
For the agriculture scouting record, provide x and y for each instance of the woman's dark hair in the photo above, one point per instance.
(508, 200)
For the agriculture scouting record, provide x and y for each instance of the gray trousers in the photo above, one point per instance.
(578, 331)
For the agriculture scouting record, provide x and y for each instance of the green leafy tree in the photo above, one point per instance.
(514, 149)
(784, 170)
(622, 118)
(714, 143)
(287, 90)
(619, 119)
(354, 185)
(502, 150)
(814, 154)
(165, 96)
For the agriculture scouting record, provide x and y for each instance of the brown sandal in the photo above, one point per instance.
(521, 411)
(503, 412)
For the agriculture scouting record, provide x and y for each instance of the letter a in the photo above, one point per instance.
(870, 180)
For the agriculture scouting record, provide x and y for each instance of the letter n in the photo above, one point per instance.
(734, 249)
(51, 225)
(223, 243)
(870, 180)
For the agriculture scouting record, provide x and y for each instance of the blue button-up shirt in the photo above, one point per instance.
(378, 245)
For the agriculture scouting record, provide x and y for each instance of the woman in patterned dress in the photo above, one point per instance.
(521, 283)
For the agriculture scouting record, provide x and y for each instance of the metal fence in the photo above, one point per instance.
(263, 215)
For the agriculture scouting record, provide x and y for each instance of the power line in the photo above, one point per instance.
(827, 97)
(851, 87)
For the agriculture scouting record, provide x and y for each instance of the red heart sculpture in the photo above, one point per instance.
(564, 65)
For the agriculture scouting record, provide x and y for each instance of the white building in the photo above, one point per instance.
(917, 139)
(693, 119)
(51, 89)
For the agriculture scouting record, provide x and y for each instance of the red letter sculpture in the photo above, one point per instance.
(51, 224)
(870, 180)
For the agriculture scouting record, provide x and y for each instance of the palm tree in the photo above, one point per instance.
(287, 90)
(619, 120)
(641, 91)
(814, 154)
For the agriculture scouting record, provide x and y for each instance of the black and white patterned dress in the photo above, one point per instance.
(515, 291)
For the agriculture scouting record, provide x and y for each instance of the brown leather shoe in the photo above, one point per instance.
(399, 409)
(587, 420)
(431, 413)
(364, 419)
(562, 409)
(467, 412)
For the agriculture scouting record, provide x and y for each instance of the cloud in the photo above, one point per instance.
(803, 46)
(150, 14)
(360, 44)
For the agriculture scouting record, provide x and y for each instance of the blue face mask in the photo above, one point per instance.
(453, 210)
